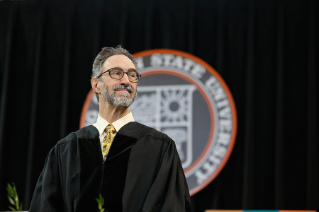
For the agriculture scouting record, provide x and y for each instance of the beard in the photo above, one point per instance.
(124, 99)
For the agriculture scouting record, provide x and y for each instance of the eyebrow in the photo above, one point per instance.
(130, 69)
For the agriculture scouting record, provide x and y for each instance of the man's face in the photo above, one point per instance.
(122, 92)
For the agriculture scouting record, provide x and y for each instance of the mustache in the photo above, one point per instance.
(129, 88)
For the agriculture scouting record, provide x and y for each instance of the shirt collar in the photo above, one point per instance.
(101, 123)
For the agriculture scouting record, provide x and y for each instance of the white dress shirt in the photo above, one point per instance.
(101, 123)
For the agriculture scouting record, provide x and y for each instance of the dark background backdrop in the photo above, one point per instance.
(266, 51)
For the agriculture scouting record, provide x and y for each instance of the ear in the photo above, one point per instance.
(95, 83)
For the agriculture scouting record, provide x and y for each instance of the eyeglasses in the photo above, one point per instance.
(118, 73)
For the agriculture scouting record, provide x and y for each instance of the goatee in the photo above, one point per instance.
(124, 99)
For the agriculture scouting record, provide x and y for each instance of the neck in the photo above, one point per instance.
(111, 113)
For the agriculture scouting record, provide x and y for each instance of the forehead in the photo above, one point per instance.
(118, 61)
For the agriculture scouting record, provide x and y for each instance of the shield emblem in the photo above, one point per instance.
(168, 109)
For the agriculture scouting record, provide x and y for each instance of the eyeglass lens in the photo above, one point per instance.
(117, 73)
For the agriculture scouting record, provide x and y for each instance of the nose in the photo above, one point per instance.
(124, 79)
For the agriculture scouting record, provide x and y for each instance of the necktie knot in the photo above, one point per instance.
(110, 128)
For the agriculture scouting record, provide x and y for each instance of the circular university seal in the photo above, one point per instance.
(182, 96)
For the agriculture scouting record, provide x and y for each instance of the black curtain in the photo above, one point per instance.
(266, 51)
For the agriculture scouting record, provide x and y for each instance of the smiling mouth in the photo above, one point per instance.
(128, 89)
(121, 89)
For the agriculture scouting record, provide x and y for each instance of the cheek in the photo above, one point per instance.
(104, 87)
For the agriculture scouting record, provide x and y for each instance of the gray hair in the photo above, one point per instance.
(105, 53)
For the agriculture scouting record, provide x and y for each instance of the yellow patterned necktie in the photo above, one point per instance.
(109, 132)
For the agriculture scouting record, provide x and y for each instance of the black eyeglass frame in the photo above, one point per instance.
(109, 70)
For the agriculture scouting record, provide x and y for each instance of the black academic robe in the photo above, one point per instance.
(142, 173)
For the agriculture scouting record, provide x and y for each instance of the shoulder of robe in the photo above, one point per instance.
(140, 131)
(88, 132)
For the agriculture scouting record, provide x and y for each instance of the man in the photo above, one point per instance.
(134, 167)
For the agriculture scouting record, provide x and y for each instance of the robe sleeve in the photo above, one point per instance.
(156, 180)
(47, 196)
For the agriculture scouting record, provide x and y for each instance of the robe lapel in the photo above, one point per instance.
(90, 173)
(89, 146)
(120, 145)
